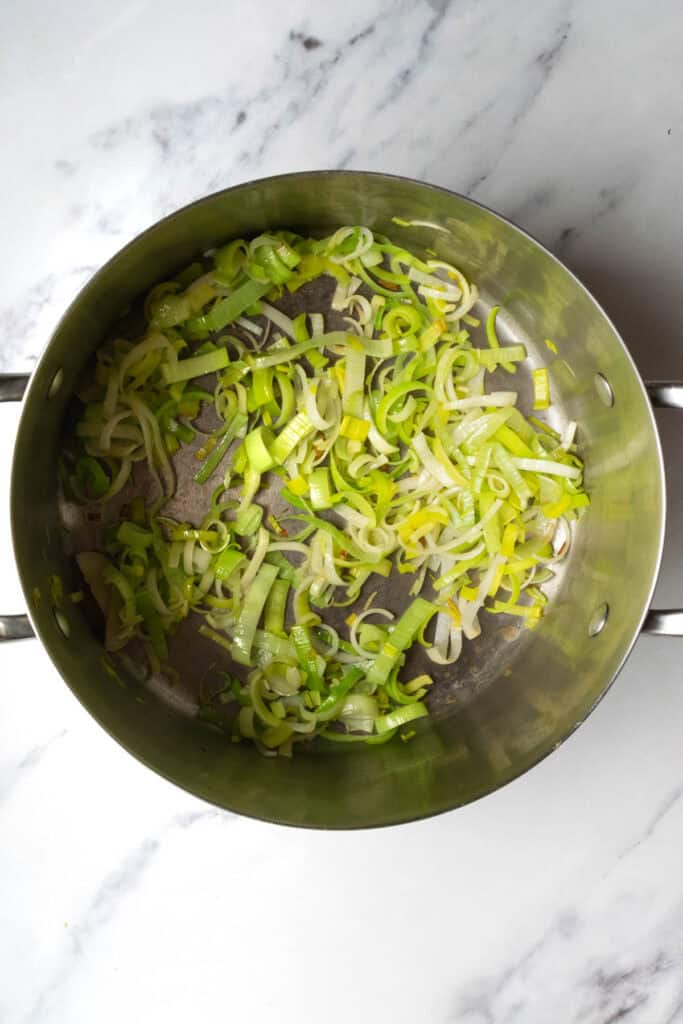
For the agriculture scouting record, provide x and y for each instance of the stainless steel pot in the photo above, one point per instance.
(517, 697)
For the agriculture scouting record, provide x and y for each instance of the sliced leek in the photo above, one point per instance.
(383, 439)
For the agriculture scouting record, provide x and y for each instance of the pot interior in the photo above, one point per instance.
(514, 695)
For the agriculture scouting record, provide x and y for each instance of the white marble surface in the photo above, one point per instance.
(559, 898)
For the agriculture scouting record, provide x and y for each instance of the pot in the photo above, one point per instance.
(517, 696)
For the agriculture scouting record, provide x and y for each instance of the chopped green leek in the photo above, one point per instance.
(248, 520)
(197, 366)
(296, 431)
(245, 628)
(276, 607)
(227, 310)
(210, 465)
(541, 388)
(256, 445)
(90, 479)
(402, 636)
(227, 562)
(400, 716)
(319, 486)
(376, 449)
(153, 624)
(308, 659)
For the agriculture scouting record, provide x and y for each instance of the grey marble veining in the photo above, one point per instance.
(559, 898)
(461, 94)
(14, 774)
(118, 886)
(629, 941)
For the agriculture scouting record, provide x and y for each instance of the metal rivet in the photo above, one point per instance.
(62, 623)
(56, 383)
(604, 390)
(598, 619)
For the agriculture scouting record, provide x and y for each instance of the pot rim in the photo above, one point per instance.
(93, 281)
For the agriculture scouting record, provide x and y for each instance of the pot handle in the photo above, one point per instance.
(14, 627)
(669, 621)
(659, 622)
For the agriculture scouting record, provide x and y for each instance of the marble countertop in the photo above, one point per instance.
(559, 898)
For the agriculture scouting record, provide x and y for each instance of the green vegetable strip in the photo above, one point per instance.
(225, 311)
(227, 562)
(541, 388)
(248, 520)
(512, 474)
(153, 625)
(354, 382)
(196, 366)
(90, 478)
(415, 618)
(401, 716)
(211, 464)
(256, 445)
(276, 606)
(261, 392)
(319, 486)
(308, 659)
(493, 337)
(133, 536)
(243, 636)
(293, 352)
(504, 357)
(294, 433)
(338, 691)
